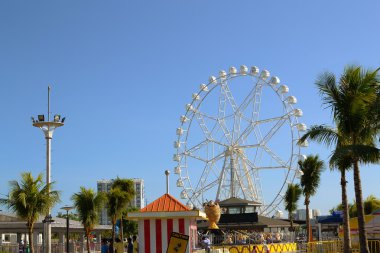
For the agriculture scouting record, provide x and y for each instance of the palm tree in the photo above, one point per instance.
(292, 195)
(312, 168)
(329, 136)
(88, 203)
(352, 101)
(127, 190)
(113, 207)
(30, 199)
(130, 226)
(120, 195)
(371, 204)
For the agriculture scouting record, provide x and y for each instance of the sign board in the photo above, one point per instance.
(177, 243)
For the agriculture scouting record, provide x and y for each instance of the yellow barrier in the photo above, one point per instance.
(325, 247)
(373, 245)
(260, 248)
(311, 247)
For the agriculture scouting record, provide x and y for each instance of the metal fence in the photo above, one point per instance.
(335, 246)
(373, 245)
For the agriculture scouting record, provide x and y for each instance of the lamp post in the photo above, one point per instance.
(48, 128)
(67, 208)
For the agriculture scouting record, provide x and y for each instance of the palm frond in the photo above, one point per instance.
(312, 168)
(29, 198)
(363, 153)
(321, 134)
(292, 195)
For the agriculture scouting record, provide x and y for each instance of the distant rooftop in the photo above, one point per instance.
(238, 202)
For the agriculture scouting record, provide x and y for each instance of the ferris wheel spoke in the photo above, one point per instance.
(274, 156)
(283, 117)
(201, 187)
(243, 187)
(222, 178)
(205, 115)
(203, 179)
(255, 188)
(273, 167)
(201, 190)
(188, 154)
(217, 158)
(236, 112)
(230, 98)
(202, 124)
(247, 131)
(236, 127)
(249, 146)
(272, 131)
(252, 96)
(198, 146)
(218, 142)
(225, 130)
(222, 114)
(250, 187)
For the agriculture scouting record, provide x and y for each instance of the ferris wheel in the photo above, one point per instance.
(239, 138)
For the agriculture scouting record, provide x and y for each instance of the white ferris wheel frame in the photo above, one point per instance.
(243, 174)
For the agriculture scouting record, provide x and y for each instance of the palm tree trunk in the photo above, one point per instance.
(292, 229)
(359, 204)
(31, 242)
(113, 234)
(308, 227)
(121, 229)
(346, 217)
(88, 242)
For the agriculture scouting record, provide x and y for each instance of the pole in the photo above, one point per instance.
(48, 116)
(67, 231)
(167, 172)
(48, 128)
(48, 166)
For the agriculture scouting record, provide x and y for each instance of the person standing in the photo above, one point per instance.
(104, 248)
(206, 244)
(135, 244)
(119, 247)
(130, 245)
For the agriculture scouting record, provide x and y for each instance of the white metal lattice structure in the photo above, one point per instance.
(238, 138)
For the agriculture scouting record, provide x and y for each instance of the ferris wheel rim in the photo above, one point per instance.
(188, 189)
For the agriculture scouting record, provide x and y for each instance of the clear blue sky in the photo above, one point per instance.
(122, 71)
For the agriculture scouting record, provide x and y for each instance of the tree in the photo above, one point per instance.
(329, 136)
(72, 216)
(88, 204)
(120, 195)
(130, 227)
(30, 199)
(353, 100)
(371, 204)
(113, 208)
(292, 195)
(312, 168)
(127, 188)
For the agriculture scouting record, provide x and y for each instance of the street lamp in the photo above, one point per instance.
(67, 208)
(48, 128)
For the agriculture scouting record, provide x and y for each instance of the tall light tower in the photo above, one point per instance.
(48, 128)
